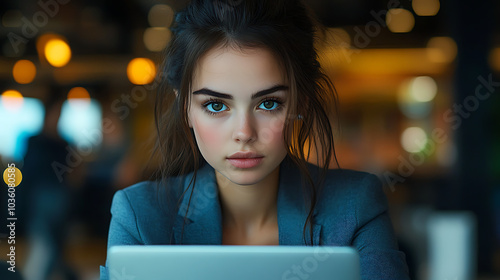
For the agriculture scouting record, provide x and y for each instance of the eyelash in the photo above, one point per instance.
(279, 101)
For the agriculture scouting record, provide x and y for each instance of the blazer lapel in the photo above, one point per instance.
(203, 221)
(292, 209)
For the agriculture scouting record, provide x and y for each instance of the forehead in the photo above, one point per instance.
(233, 71)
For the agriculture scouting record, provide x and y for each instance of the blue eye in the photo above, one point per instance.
(269, 105)
(216, 107)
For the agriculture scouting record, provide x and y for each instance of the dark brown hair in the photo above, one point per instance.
(286, 28)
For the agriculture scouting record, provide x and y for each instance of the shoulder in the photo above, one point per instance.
(144, 211)
(153, 198)
(132, 205)
(346, 183)
(352, 193)
(147, 196)
(135, 196)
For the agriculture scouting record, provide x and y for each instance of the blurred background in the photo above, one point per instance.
(418, 88)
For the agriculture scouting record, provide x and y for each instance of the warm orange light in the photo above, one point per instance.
(57, 52)
(441, 49)
(400, 20)
(24, 71)
(42, 41)
(141, 71)
(426, 7)
(78, 96)
(78, 93)
(494, 59)
(12, 100)
(393, 61)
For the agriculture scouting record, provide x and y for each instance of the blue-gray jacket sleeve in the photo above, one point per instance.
(374, 237)
(123, 227)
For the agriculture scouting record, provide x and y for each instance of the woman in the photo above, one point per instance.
(244, 107)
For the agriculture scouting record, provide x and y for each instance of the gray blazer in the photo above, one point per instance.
(351, 211)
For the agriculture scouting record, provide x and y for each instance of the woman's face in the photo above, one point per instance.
(238, 105)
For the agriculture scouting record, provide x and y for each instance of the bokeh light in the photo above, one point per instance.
(426, 7)
(81, 125)
(24, 71)
(57, 52)
(12, 100)
(415, 96)
(413, 139)
(423, 89)
(18, 125)
(42, 41)
(156, 38)
(400, 20)
(441, 49)
(141, 71)
(78, 96)
(160, 15)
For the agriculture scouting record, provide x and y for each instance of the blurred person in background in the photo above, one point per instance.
(50, 198)
(110, 169)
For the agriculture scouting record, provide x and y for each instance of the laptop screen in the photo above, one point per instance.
(218, 262)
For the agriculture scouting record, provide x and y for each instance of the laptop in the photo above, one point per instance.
(232, 262)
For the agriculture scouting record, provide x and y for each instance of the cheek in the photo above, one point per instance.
(272, 133)
(207, 133)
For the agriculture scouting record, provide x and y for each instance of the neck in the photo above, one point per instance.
(249, 207)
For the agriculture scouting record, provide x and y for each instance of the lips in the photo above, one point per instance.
(245, 159)
(244, 155)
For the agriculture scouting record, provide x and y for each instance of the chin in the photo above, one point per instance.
(244, 177)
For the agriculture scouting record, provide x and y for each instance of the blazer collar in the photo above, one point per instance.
(203, 225)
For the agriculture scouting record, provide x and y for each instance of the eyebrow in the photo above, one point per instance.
(228, 96)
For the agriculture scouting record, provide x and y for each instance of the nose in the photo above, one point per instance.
(244, 130)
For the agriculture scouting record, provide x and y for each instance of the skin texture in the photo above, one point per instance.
(248, 196)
